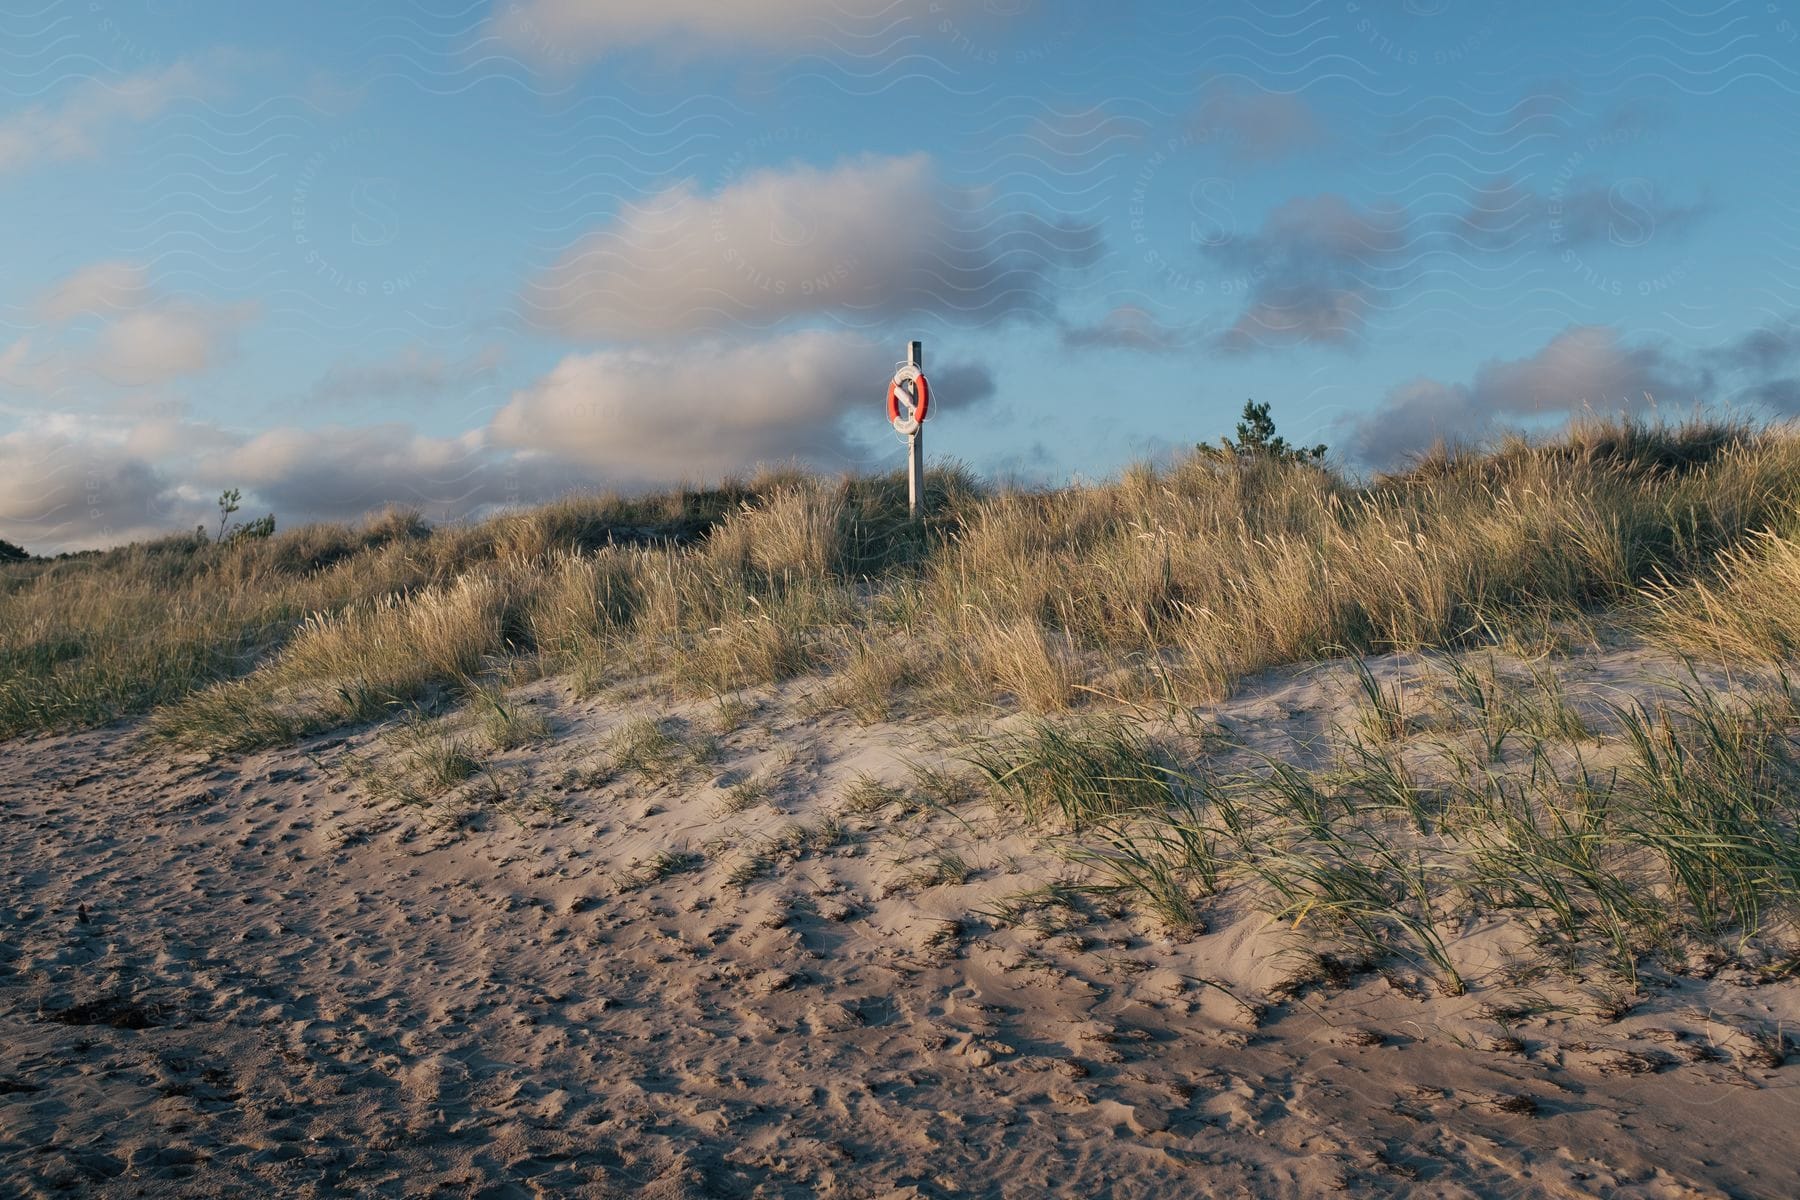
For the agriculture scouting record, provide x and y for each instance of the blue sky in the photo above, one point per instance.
(469, 254)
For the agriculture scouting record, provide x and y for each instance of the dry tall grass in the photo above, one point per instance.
(87, 639)
(1167, 584)
(1750, 609)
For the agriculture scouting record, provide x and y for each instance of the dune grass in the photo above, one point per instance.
(1673, 826)
(1747, 610)
(87, 639)
(1166, 585)
(1076, 773)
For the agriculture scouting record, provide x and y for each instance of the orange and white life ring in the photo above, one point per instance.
(907, 407)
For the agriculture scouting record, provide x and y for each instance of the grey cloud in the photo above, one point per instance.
(416, 373)
(24, 369)
(866, 240)
(68, 490)
(1257, 126)
(1780, 395)
(340, 472)
(1127, 327)
(1759, 359)
(1771, 347)
(66, 485)
(171, 439)
(1628, 212)
(1584, 368)
(1319, 266)
(1500, 214)
(960, 387)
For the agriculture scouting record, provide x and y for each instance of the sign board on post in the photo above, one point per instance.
(908, 401)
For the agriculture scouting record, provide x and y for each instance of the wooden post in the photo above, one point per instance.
(915, 447)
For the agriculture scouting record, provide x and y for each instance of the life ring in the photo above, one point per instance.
(921, 390)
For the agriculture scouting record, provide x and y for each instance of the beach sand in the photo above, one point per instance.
(250, 976)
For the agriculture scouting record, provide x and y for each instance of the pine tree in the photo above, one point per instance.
(1256, 438)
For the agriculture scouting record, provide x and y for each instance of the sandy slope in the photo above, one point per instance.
(280, 987)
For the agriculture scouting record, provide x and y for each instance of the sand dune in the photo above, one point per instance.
(249, 975)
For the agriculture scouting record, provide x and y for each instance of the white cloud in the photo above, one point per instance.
(582, 29)
(140, 337)
(98, 288)
(641, 416)
(170, 439)
(18, 369)
(867, 239)
(171, 339)
(78, 125)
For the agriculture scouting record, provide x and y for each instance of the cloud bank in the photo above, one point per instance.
(624, 419)
(1584, 368)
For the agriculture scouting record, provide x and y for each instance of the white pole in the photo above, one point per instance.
(915, 446)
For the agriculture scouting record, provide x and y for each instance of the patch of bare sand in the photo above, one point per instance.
(219, 979)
